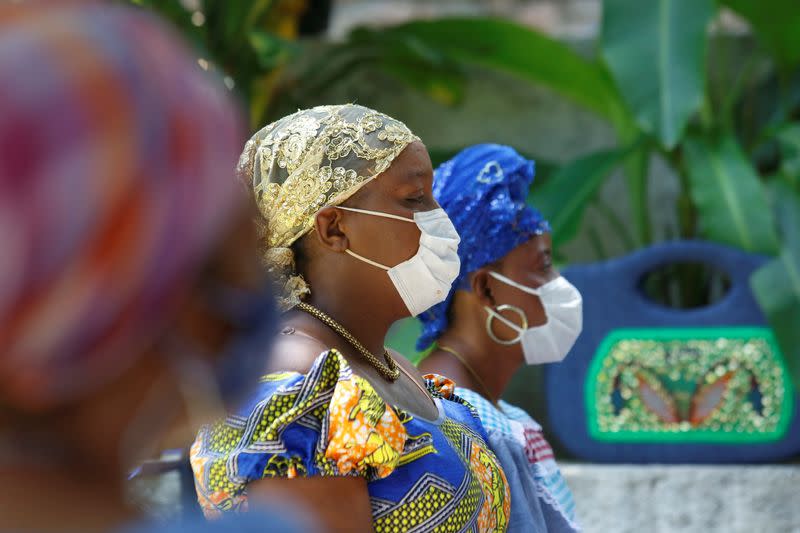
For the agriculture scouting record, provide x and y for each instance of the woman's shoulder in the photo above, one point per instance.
(517, 414)
(492, 418)
(288, 386)
(326, 421)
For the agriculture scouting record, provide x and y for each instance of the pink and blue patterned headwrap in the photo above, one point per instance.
(117, 156)
(483, 189)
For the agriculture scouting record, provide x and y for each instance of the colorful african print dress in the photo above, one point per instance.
(422, 475)
(541, 499)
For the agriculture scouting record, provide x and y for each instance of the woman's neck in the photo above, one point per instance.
(493, 364)
(360, 314)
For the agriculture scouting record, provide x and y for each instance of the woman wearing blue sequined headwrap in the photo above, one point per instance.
(507, 307)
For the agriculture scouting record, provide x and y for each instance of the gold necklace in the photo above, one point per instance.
(474, 374)
(389, 370)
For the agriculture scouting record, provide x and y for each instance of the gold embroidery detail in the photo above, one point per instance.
(308, 160)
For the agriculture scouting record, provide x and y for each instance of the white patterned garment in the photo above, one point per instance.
(540, 497)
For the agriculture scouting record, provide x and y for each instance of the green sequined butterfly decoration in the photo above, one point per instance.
(725, 385)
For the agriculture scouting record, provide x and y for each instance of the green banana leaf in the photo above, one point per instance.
(777, 284)
(414, 63)
(636, 170)
(564, 196)
(513, 48)
(656, 52)
(731, 203)
(789, 141)
(777, 24)
(270, 50)
(403, 337)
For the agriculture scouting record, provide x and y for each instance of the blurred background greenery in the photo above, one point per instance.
(671, 119)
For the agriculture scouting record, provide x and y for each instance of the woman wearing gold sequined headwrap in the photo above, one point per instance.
(350, 227)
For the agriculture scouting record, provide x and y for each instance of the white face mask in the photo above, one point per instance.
(563, 307)
(424, 280)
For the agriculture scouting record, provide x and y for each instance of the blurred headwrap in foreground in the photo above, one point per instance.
(483, 189)
(117, 160)
(308, 160)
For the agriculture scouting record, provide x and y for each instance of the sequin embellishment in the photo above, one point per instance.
(689, 385)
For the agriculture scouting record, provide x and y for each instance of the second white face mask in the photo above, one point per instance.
(425, 279)
(563, 306)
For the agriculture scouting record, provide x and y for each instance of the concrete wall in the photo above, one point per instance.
(688, 499)
(627, 499)
(573, 18)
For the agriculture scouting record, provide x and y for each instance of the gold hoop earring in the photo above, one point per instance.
(492, 314)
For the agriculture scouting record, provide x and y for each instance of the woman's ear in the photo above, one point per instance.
(479, 283)
(330, 229)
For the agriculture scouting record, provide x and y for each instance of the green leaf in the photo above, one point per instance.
(730, 199)
(413, 62)
(776, 285)
(403, 336)
(636, 169)
(789, 137)
(237, 18)
(656, 52)
(272, 51)
(786, 205)
(777, 23)
(441, 86)
(789, 140)
(510, 47)
(563, 198)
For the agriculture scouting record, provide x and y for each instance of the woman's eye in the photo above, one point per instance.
(416, 199)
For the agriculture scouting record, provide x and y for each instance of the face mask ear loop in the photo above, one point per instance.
(368, 261)
(516, 285)
(520, 329)
(377, 214)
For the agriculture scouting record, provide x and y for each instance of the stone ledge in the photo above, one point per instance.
(686, 498)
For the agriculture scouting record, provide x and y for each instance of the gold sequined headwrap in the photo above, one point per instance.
(308, 160)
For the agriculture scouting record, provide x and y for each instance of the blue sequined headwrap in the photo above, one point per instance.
(483, 189)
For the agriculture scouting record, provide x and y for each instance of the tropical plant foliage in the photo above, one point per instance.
(249, 41)
(734, 144)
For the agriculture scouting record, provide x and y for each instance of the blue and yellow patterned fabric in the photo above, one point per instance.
(422, 475)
